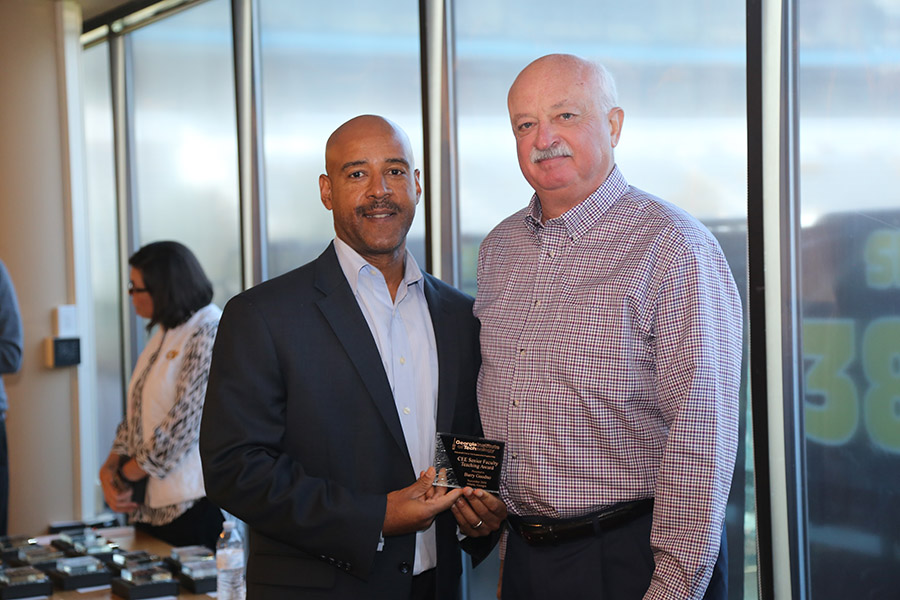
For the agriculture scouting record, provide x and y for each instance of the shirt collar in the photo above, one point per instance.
(352, 263)
(584, 215)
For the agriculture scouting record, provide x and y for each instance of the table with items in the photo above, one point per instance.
(115, 562)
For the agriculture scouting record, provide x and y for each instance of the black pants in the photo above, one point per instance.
(4, 478)
(615, 565)
(199, 525)
(424, 586)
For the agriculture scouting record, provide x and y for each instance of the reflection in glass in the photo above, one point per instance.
(850, 275)
(186, 140)
(320, 68)
(680, 71)
(103, 244)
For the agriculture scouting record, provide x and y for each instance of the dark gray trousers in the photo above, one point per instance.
(615, 565)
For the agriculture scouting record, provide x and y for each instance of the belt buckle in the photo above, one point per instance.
(536, 533)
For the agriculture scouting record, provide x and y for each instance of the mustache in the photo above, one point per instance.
(554, 151)
(382, 204)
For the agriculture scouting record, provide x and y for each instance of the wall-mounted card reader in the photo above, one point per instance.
(64, 348)
(62, 352)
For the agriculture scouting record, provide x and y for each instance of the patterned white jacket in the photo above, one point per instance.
(162, 424)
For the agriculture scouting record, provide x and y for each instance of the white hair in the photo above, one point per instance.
(607, 96)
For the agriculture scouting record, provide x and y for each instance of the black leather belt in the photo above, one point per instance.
(540, 531)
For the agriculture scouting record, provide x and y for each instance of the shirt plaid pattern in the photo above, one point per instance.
(611, 348)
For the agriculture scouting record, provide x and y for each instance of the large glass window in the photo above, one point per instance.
(320, 68)
(681, 80)
(849, 76)
(186, 139)
(680, 71)
(104, 243)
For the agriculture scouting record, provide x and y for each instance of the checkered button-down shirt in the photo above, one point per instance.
(611, 347)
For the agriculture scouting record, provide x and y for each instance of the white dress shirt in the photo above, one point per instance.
(404, 335)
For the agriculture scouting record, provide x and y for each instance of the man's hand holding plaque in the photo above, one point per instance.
(473, 464)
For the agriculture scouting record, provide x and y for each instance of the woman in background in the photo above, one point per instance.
(153, 471)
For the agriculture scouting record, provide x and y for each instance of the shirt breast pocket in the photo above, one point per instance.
(599, 341)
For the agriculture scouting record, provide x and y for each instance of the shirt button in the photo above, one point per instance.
(521, 351)
(405, 567)
(406, 410)
(515, 402)
(402, 361)
(537, 302)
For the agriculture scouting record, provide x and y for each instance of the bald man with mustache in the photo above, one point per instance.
(326, 388)
(611, 359)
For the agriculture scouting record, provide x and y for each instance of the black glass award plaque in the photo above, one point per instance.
(467, 461)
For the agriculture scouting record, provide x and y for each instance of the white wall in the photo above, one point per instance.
(35, 243)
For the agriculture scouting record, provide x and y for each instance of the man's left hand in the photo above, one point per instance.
(478, 512)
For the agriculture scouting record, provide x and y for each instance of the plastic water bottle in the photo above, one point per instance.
(230, 564)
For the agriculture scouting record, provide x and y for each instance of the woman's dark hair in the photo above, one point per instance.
(175, 281)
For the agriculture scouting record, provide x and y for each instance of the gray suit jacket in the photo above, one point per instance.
(300, 436)
(11, 337)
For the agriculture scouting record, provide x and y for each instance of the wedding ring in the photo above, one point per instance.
(477, 525)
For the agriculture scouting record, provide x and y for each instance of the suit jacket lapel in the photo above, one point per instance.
(346, 319)
(447, 350)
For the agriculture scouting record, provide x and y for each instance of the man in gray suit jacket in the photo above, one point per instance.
(326, 388)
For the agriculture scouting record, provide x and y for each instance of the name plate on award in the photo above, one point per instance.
(467, 461)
